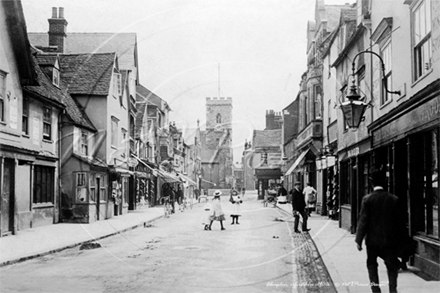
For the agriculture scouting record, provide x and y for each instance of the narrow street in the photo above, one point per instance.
(176, 254)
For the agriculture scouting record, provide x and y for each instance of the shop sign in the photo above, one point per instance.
(318, 164)
(274, 159)
(353, 152)
(425, 113)
(331, 161)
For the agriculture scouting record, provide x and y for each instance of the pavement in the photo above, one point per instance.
(345, 264)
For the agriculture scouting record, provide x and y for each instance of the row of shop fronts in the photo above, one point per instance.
(95, 193)
(405, 143)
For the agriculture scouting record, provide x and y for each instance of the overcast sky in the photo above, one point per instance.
(259, 44)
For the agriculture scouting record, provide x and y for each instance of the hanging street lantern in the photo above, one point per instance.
(354, 109)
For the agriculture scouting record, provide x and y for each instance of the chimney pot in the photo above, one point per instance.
(54, 12)
(61, 12)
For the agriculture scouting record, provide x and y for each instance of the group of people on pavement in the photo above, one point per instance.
(380, 225)
(214, 211)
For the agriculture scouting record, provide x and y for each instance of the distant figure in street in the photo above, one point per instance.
(299, 207)
(217, 211)
(380, 226)
(310, 198)
(236, 201)
(243, 191)
(179, 197)
(281, 190)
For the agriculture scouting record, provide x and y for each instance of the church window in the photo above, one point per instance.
(219, 118)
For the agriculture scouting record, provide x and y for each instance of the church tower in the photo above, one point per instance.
(218, 142)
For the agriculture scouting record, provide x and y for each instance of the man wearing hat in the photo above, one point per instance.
(299, 207)
(217, 211)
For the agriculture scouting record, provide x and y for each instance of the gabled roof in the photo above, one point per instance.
(16, 26)
(266, 138)
(88, 74)
(124, 44)
(47, 89)
(151, 97)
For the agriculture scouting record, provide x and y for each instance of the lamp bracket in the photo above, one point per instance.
(353, 64)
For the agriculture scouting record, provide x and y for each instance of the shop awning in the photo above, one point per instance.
(187, 179)
(298, 161)
(168, 177)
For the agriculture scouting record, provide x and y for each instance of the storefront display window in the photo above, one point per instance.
(431, 184)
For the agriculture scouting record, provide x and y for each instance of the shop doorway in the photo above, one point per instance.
(7, 208)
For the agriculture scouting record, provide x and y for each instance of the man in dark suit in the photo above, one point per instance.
(380, 225)
(299, 207)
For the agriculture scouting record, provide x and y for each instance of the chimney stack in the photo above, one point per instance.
(57, 30)
(61, 12)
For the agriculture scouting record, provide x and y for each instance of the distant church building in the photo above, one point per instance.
(216, 142)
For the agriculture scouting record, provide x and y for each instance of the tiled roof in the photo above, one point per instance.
(88, 74)
(267, 138)
(348, 14)
(333, 15)
(124, 44)
(47, 89)
(152, 98)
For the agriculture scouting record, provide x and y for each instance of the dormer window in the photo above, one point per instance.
(56, 77)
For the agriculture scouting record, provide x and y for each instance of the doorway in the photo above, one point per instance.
(7, 208)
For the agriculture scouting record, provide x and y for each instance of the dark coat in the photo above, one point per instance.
(282, 191)
(298, 202)
(379, 221)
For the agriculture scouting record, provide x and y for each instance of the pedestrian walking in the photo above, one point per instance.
(299, 207)
(243, 191)
(236, 201)
(380, 225)
(207, 213)
(217, 211)
(310, 198)
(179, 197)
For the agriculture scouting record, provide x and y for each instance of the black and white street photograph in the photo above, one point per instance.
(219, 146)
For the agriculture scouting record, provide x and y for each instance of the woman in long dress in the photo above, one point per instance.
(217, 211)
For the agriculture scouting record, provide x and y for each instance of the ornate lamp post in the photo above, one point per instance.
(354, 109)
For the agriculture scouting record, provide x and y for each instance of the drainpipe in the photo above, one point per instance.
(60, 115)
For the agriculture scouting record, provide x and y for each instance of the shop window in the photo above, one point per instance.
(345, 183)
(102, 188)
(421, 35)
(44, 184)
(47, 123)
(25, 117)
(81, 187)
(431, 184)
